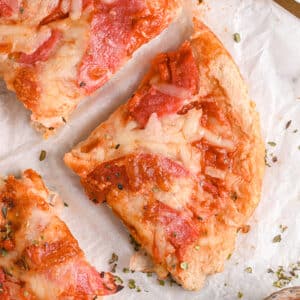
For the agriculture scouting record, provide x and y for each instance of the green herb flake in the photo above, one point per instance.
(66, 204)
(272, 144)
(288, 124)
(155, 189)
(136, 245)
(35, 242)
(21, 10)
(295, 131)
(248, 270)
(161, 282)
(107, 136)
(113, 269)
(184, 265)
(43, 155)
(266, 159)
(114, 258)
(284, 277)
(117, 146)
(234, 196)
(229, 256)
(269, 270)
(149, 274)
(240, 295)
(277, 239)
(237, 37)
(278, 284)
(283, 228)
(197, 247)
(118, 280)
(138, 289)
(4, 211)
(274, 159)
(95, 298)
(126, 270)
(131, 284)
(3, 252)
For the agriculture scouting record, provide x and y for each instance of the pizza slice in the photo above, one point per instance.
(39, 12)
(39, 257)
(181, 164)
(54, 53)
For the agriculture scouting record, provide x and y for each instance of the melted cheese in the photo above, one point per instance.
(76, 9)
(58, 76)
(22, 38)
(37, 10)
(43, 288)
(178, 195)
(165, 137)
(171, 136)
(37, 223)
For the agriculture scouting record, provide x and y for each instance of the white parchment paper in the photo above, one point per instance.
(269, 59)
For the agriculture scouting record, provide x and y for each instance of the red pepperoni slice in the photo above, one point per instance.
(177, 69)
(44, 51)
(105, 177)
(179, 229)
(81, 279)
(84, 281)
(8, 7)
(141, 108)
(111, 31)
(131, 172)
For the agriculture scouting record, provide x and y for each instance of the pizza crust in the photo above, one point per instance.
(223, 69)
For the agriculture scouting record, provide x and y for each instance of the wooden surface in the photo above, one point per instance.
(291, 5)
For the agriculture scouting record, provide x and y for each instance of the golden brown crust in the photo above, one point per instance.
(223, 70)
(228, 161)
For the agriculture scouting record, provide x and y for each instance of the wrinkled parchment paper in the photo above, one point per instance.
(269, 58)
